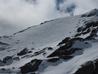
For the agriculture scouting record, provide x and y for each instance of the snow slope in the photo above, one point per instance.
(47, 33)
(34, 39)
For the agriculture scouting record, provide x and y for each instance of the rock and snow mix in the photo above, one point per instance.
(61, 46)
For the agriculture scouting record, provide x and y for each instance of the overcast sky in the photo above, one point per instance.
(16, 15)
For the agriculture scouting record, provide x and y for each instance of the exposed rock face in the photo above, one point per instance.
(31, 66)
(64, 41)
(8, 60)
(90, 67)
(96, 67)
(23, 52)
(94, 12)
(89, 28)
(48, 48)
(67, 49)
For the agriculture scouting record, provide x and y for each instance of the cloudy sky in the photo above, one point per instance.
(16, 15)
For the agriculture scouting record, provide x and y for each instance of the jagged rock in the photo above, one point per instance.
(64, 41)
(90, 28)
(8, 60)
(87, 68)
(76, 38)
(80, 29)
(23, 52)
(94, 12)
(90, 67)
(92, 34)
(48, 48)
(31, 66)
(59, 52)
(16, 58)
(96, 67)
(39, 52)
(78, 34)
(29, 51)
(87, 31)
(66, 50)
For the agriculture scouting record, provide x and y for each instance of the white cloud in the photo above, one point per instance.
(21, 14)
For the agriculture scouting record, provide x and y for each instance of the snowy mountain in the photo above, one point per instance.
(61, 46)
(21, 14)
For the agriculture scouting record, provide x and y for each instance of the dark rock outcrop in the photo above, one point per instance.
(94, 12)
(48, 48)
(16, 58)
(96, 67)
(64, 41)
(31, 66)
(66, 50)
(90, 28)
(23, 52)
(90, 67)
(8, 60)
